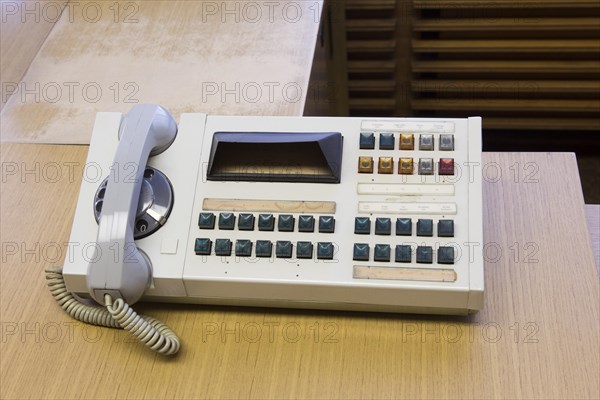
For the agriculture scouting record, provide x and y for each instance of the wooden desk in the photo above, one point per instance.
(536, 338)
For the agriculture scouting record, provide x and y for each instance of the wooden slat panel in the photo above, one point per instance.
(506, 24)
(371, 66)
(370, 4)
(554, 124)
(520, 86)
(372, 103)
(371, 45)
(517, 66)
(466, 4)
(373, 85)
(506, 46)
(565, 105)
(371, 25)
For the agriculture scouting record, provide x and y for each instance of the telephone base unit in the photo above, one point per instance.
(360, 214)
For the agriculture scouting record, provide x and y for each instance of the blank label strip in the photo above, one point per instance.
(412, 126)
(319, 207)
(405, 189)
(407, 208)
(405, 274)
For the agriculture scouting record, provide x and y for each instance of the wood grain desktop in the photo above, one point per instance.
(537, 336)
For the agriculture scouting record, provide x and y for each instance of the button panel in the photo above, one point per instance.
(405, 250)
(307, 224)
(390, 241)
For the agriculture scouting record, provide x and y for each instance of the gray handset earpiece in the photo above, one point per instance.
(118, 267)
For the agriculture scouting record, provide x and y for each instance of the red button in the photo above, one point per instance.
(446, 166)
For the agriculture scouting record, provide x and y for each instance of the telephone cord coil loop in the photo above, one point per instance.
(117, 314)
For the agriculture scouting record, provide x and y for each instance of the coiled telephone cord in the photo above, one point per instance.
(117, 314)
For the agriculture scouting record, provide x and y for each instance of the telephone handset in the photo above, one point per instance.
(146, 131)
(121, 279)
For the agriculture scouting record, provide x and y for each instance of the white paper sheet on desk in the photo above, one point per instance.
(188, 56)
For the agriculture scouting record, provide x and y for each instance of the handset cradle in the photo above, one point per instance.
(118, 267)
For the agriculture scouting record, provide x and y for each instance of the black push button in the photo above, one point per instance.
(446, 228)
(306, 223)
(202, 247)
(243, 248)
(446, 255)
(283, 249)
(304, 250)
(362, 225)
(326, 224)
(386, 141)
(361, 252)
(404, 227)
(246, 222)
(325, 251)
(226, 221)
(403, 253)
(285, 223)
(266, 222)
(206, 221)
(223, 247)
(425, 227)
(383, 226)
(382, 252)
(264, 248)
(424, 254)
(367, 140)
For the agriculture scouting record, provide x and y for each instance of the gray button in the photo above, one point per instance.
(426, 142)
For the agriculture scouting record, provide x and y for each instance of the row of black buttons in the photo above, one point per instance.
(406, 141)
(264, 248)
(403, 253)
(383, 226)
(266, 222)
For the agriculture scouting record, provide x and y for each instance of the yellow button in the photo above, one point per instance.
(407, 141)
(405, 167)
(386, 165)
(365, 165)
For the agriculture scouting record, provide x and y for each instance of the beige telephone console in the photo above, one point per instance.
(330, 213)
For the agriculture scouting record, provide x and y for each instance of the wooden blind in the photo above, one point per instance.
(522, 65)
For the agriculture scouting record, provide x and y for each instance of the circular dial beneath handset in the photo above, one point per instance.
(154, 205)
